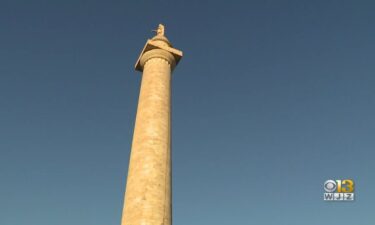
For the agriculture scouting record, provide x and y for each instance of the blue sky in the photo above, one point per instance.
(271, 99)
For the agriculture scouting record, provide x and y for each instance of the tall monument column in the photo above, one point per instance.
(148, 196)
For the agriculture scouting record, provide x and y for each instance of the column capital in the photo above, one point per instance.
(158, 47)
(158, 53)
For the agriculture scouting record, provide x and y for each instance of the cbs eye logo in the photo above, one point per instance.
(339, 190)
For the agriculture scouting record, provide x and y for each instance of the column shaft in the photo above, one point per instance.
(148, 188)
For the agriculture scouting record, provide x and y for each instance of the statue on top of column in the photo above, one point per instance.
(160, 30)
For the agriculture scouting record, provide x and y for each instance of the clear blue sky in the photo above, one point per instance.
(271, 99)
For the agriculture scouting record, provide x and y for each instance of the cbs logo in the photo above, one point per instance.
(339, 186)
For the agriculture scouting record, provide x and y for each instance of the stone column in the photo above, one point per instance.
(148, 194)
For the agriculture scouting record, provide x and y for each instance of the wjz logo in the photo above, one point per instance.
(339, 190)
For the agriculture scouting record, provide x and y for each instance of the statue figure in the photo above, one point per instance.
(160, 30)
